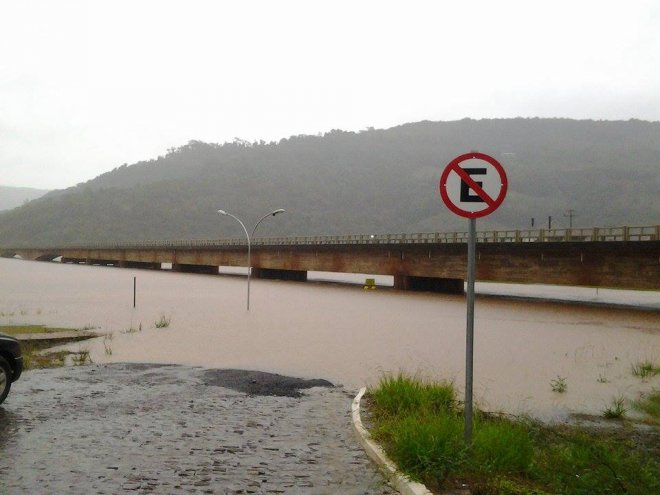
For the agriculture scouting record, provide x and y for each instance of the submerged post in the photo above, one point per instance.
(134, 289)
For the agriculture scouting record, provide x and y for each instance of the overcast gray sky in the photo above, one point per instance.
(87, 86)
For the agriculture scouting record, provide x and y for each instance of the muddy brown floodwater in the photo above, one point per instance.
(344, 334)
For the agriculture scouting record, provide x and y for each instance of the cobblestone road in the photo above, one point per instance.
(127, 428)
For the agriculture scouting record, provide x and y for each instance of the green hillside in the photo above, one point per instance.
(374, 181)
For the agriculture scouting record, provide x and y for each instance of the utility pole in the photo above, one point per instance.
(570, 214)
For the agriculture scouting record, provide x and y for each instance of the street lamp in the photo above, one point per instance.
(272, 213)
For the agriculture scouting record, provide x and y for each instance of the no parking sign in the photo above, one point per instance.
(472, 185)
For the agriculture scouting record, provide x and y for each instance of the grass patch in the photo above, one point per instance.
(401, 394)
(420, 425)
(22, 329)
(645, 369)
(650, 406)
(34, 351)
(35, 357)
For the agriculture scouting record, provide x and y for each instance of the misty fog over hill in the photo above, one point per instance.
(373, 181)
(11, 197)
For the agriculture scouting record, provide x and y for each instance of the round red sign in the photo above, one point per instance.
(473, 185)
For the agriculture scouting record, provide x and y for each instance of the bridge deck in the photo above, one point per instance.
(621, 257)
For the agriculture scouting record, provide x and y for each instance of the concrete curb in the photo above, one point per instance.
(24, 337)
(404, 485)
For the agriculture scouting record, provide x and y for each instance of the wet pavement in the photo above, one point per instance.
(136, 428)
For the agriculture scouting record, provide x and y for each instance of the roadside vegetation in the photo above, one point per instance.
(162, 322)
(645, 369)
(650, 407)
(420, 425)
(22, 329)
(35, 352)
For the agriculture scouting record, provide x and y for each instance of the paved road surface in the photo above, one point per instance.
(131, 428)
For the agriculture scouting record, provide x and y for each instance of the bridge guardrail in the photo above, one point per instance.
(593, 234)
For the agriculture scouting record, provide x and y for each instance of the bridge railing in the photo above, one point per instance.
(594, 234)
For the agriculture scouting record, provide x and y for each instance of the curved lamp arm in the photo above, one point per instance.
(249, 259)
(272, 213)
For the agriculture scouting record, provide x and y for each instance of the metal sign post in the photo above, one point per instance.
(469, 332)
(472, 199)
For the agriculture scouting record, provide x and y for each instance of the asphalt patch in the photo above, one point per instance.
(260, 383)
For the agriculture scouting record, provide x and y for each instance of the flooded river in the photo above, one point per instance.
(345, 334)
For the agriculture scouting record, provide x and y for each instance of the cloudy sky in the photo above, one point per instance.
(86, 86)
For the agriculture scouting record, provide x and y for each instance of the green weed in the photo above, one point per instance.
(132, 329)
(107, 338)
(162, 322)
(559, 384)
(645, 369)
(81, 358)
(602, 379)
(616, 410)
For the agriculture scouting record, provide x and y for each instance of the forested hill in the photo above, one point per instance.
(373, 181)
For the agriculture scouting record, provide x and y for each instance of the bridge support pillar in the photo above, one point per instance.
(205, 269)
(72, 260)
(46, 257)
(90, 261)
(429, 284)
(145, 265)
(273, 274)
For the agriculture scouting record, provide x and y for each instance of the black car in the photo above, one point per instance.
(11, 363)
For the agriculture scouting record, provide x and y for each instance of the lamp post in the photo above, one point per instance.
(272, 213)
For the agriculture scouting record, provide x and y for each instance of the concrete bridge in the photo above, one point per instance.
(616, 257)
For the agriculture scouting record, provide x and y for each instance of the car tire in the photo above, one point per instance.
(5, 378)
